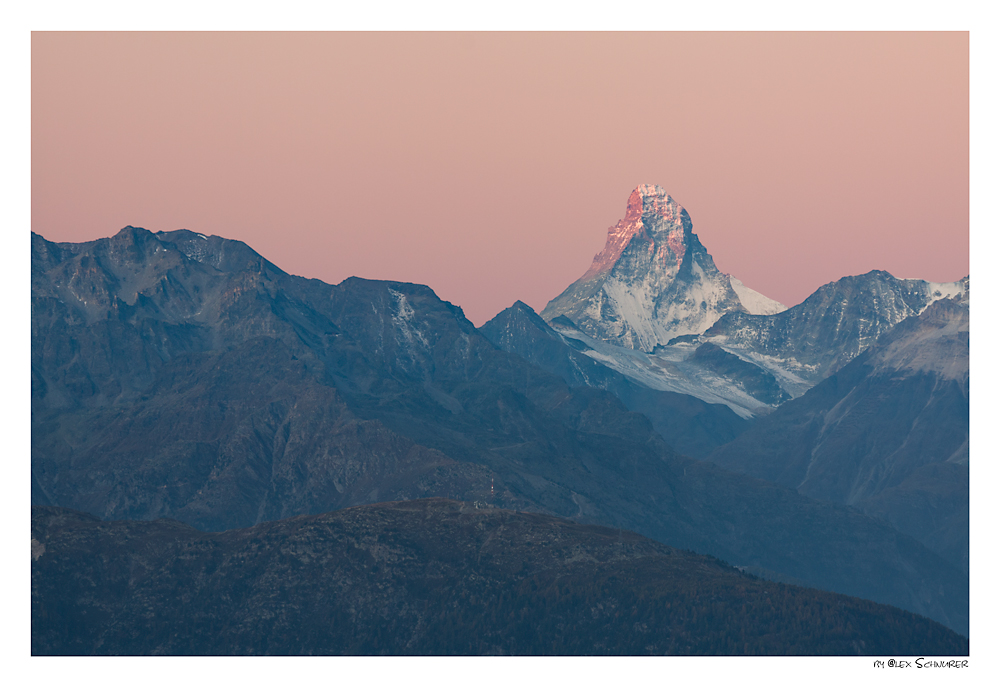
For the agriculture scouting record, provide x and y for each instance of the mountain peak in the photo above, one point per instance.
(651, 201)
(652, 282)
(650, 214)
(130, 235)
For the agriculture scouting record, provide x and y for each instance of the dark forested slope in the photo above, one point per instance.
(427, 577)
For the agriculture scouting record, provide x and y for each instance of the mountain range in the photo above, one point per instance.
(654, 307)
(183, 376)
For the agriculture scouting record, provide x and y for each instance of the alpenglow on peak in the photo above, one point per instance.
(653, 281)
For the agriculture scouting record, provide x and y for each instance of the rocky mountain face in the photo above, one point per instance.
(755, 381)
(688, 424)
(181, 376)
(888, 433)
(654, 280)
(427, 577)
(831, 327)
(196, 364)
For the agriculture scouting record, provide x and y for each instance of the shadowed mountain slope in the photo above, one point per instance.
(427, 577)
(688, 424)
(888, 433)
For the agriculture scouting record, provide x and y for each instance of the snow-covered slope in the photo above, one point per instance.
(653, 281)
(755, 303)
(671, 368)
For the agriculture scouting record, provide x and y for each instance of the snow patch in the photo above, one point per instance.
(403, 319)
(937, 290)
(755, 303)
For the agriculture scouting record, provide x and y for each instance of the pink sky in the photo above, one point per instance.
(490, 166)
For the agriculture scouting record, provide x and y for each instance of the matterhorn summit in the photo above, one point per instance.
(654, 281)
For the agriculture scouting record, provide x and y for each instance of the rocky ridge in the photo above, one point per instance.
(832, 326)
